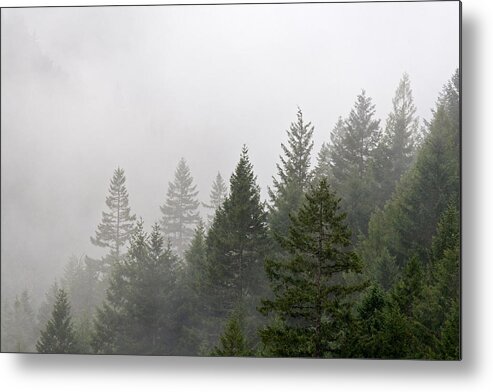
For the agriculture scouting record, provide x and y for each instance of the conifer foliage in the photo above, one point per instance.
(117, 224)
(180, 211)
(293, 174)
(134, 317)
(218, 194)
(59, 336)
(237, 242)
(310, 297)
(353, 145)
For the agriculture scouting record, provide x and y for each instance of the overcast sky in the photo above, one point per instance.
(87, 89)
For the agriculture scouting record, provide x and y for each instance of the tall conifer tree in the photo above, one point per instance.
(310, 303)
(59, 336)
(397, 149)
(218, 194)
(117, 224)
(134, 319)
(180, 211)
(237, 243)
(293, 174)
(352, 149)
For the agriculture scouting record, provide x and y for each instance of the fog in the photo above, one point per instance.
(85, 90)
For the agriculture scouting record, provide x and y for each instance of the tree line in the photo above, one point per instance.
(355, 256)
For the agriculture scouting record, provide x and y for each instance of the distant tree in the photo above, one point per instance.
(59, 336)
(218, 194)
(353, 145)
(322, 168)
(180, 211)
(19, 332)
(408, 222)
(311, 302)
(117, 224)
(396, 151)
(293, 175)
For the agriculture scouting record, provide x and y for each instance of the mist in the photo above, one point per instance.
(87, 90)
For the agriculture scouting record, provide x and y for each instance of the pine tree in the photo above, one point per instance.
(189, 314)
(397, 149)
(232, 342)
(59, 336)
(19, 332)
(293, 173)
(353, 145)
(218, 194)
(237, 243)
(180, 211)
(134, 319)
(311, 297)
(409, 220)
(322, 169)
(117, 224)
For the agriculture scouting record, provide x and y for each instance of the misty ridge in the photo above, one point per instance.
(297, 243)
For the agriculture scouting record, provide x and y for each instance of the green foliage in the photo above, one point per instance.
(180, 211)
(353, 145)
(293, 173)
(237, 242)
(311, 297)
(408, 222)
(59, 336)
(397, 148)
(233, 342)
(117, 224)
(135, 315)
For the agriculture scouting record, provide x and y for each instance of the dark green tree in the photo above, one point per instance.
(218, 194)
(180, 211)
(190, 297)
(293, 175)
(237, 243)
(117, 224)
(311, 301)
(233, 342)
(59, 336)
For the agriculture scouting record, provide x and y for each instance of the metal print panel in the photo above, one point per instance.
(266, 180)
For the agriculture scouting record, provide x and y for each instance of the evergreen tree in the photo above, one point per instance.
(117, 224)
(180, 211)
(353, 145)
(293, 173)
(237, 243)
(19, 332)
(406, 225)
(396, 151)
(190, 297)
(59, 336)
(218, 194)
(311, 297)
(322, 169)
(232, 342)
(134, 319)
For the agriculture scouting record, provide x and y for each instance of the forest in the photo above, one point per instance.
(355, 254)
